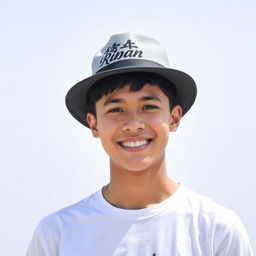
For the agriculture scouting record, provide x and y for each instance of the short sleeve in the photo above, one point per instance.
(236, 241)
(45, 239)
(36, 244)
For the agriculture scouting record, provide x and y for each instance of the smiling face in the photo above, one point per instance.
(134, 126)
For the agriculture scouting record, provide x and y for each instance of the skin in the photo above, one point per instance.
(138, 176)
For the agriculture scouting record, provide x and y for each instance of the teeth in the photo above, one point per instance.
(134, 144)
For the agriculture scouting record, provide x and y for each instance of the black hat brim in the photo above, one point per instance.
(185, 86)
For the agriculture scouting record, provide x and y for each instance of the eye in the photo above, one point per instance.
(149, 107)
(115, 110)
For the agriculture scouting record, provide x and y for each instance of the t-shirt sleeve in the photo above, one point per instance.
(236, 241)
(36, 244)
(45, 239)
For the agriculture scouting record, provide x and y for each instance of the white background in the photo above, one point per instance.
(49, 160)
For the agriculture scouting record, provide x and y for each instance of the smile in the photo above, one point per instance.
(134, 144)
(138, 144)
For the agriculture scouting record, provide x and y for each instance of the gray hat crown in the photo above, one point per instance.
(129, 46)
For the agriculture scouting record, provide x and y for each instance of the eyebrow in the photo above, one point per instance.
(118, 100)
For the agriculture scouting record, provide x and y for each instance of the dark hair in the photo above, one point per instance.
(136, 81)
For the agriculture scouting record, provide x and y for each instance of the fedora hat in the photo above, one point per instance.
(125, 53)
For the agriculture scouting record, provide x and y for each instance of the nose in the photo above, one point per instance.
(133, 123)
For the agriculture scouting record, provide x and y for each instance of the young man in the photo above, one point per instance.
(132, 102)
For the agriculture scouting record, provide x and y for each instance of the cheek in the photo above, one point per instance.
(162, 129)
(110, 122)
(160, 121)
(107, 144)
(106, 135)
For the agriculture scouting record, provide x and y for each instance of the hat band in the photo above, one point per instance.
(130, 63)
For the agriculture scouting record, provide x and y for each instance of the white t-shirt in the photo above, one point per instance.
(185, 224)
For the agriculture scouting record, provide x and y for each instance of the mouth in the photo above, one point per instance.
(134, 145)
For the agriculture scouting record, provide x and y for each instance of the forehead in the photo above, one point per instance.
(125, 93)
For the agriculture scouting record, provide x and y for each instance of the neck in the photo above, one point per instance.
(138, 189)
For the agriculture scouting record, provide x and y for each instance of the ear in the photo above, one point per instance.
(176, 115)
(91, 120)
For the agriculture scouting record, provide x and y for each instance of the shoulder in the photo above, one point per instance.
(219, 224)
(210, 210)
(56, 220)
(48, 232)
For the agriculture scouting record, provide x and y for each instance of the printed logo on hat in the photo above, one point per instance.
(120, 51)
(129, 46)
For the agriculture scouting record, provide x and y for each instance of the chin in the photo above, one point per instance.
(136, 165)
